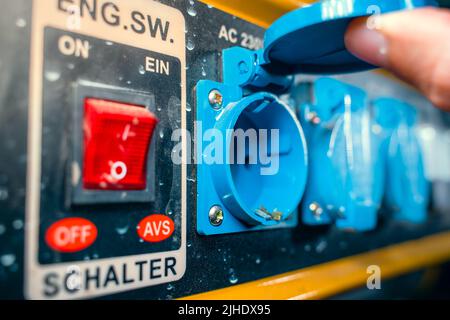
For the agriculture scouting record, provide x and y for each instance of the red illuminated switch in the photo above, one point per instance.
(116, 143)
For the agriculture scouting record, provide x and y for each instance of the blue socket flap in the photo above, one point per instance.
(311, 39)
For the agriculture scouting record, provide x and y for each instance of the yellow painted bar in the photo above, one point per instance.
(341, 275)
(260, 12)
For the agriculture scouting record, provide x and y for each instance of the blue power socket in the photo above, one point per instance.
(238, 197)
(407, 189)
(345, 183)
(250, 194)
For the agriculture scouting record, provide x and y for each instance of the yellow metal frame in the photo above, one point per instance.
(328, 279)
(260, 12)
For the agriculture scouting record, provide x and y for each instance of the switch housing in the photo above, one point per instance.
(81, 191)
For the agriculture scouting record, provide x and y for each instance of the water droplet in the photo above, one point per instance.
(191, 9)
(128, 82)
(2, 229)
(307, 247)
(190, 45)
(4, 194)
(95, 256)
(210, 6)
(7, 260)
(170, 287)
(203, 72)
(141, 240)
(71, 66)
(321, 246)
(17, 224)
(109, 43)
(188, 107)
(189, 244)
(192, 12)
(158, 108)
(169, 211)
(122, 230)
(258, 260)
(21, 23)
(52, 76)
(232, 278)
(161, 133)
(141, 69)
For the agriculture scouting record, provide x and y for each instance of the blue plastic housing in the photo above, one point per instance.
(311, 39)
(407, 189)
(345, 183)
(249, 193)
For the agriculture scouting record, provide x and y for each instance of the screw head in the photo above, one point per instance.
(313, 118)
(215, 216)
(316, 209)
(215, 98)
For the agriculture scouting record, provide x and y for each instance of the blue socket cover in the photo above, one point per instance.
(311, 39)
(345, 182)
(407, 188)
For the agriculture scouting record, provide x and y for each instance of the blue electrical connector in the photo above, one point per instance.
(233, 198)
(407, 188)
(345, 183)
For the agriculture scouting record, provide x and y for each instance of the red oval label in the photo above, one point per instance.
(155, 228)
(71, 235)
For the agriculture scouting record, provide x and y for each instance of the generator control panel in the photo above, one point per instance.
(159, 149)
(99, 130)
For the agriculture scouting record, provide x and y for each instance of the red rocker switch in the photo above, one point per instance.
(117, 137)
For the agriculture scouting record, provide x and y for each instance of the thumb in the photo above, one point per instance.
(414, 45)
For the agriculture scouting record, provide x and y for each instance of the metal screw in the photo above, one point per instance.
(216, 216)
(316, 209)
(215, 99)
(313, 118)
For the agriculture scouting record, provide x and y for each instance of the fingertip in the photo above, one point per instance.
(366, 42)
